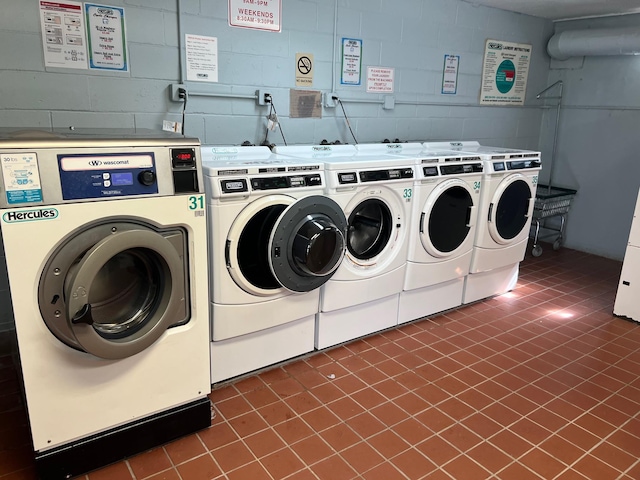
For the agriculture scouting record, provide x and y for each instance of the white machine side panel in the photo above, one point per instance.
(235, 320)
(627, 296)
(343, 325)
(478, 286)
(337, 294)
(233, 357)
(71, 394)
(426, 301)
(634, 234)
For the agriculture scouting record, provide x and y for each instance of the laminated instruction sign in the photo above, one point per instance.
(63, 36)
(202, 58)
(380, 80)
(21, 177)
(351, 61)
(504, 73)
(107, 42)
(256, 14)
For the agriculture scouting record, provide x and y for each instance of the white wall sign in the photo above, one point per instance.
(450, 74)
(504, 73)
(380, 80)
(64, 40)
(304, 69)
(107, 40)
(256, 14)
(201, 58)
(351, 61)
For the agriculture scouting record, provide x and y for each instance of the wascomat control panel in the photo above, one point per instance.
(117, 174)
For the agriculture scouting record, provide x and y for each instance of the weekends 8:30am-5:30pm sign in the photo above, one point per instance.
(504, 73)
(256, 14)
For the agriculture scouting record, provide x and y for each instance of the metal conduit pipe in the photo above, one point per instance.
(580, 43)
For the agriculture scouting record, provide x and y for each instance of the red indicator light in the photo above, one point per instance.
(184, 156)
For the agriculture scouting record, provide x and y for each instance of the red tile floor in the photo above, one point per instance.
(542, 382)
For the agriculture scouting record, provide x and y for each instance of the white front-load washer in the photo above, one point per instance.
(446, 199)
(375, 193)
(506, 205)
(105, 241)
(275, 238)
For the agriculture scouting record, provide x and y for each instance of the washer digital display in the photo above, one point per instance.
(123, 178)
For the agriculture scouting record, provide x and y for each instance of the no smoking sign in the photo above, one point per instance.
(304, 69)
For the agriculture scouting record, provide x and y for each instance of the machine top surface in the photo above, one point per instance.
(218, 160)
(89, 138)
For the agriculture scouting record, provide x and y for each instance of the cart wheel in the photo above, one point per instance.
(537, 251)
(557, 244)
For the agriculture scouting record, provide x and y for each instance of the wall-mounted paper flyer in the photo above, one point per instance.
(380, 79)
(504, 73)
(450, 74)
(202, 58)
(351, 61)
(64, 40)
(107, 40)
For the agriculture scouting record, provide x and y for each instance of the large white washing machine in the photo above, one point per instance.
(375, 193)
(506, 205)
(105, 242)
(274, 240)
(446, 199)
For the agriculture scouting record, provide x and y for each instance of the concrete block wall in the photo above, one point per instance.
(598, 142)
(411, 36)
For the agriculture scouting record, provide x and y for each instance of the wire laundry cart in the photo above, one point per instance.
(550, 202)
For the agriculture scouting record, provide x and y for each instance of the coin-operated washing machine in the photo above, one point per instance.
(274, 240)
(375, 193)
(105, 241)
(506, 205)
(446, 198)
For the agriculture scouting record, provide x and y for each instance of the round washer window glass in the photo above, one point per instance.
(449, 219)
(253, 248)
(317, 246)
(370, 227)
(125, 293)
(511, 211)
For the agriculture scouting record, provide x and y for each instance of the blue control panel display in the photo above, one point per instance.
(121, 179)
(107, 175)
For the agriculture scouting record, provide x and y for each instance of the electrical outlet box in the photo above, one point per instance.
(389, 102)
(262, 96)
(174, 94)
(329, 101)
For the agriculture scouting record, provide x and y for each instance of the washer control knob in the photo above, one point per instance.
(147, 178)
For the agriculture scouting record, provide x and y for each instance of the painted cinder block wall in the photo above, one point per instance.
(411, 36)
(598, 142)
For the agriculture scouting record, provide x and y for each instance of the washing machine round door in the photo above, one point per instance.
(447, 218)
(281, 243)
(307, 243)
(510, 209)
(113, 289)
(371, 224)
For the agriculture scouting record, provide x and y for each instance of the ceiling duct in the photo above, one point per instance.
(580, 43)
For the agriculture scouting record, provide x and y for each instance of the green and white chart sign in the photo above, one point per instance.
(504, 73)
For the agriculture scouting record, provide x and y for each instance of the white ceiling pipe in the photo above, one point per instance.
(580, 43)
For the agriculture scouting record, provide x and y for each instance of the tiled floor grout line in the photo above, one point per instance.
(601, 442)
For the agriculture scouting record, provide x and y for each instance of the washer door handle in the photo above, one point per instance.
(83, 315)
